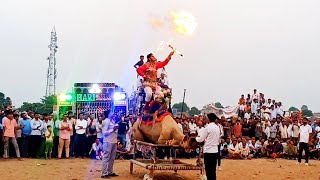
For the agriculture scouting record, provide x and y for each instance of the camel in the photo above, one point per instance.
(162, 132)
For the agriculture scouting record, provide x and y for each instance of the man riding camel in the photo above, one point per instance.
(149, 72)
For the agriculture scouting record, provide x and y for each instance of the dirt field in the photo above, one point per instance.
(76, 169)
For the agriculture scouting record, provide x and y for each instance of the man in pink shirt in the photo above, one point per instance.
(9, 126)
(64, 136)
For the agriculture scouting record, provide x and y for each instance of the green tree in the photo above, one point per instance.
(304, 107)
(45, 106)
(178, 106)
(194, 111)
(293, 109)
(218, 105)
(4, 101)
(306, 112)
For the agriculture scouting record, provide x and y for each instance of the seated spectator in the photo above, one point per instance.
(255, 149)
(270, 149)
(233, 152)
(278, 148)
(291, 150)
(314, 151)
(121, 152)
(225, 152)
(96, 150)
(243, 149)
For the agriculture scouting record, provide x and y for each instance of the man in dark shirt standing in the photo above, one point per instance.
(122, 131)
(139, 63)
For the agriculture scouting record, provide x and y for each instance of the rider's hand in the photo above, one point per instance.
(171, 53)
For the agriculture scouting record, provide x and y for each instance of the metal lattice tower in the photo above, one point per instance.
(52, 71)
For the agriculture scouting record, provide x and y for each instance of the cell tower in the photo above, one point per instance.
(52, 71)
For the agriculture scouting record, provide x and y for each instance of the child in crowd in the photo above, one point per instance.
(225, 152)
(49, 142)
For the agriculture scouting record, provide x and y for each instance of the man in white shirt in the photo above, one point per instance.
(273, 112)
(280, 109)
(36, 135)
(193, 127)
(163, 81)
(254, 107)
(211, 137)
(305, 136)
(255, 95)
(269, 104)
(265, 112)
(80, 136)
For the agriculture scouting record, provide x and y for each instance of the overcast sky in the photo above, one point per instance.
(271, 45)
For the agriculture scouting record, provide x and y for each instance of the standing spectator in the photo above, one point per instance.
(91, 133)
(305, 137)
(280, 109)
(258, 131)
(295, 130)
(273, 112)
(237, 129)
(265, 112)
(122, 132)
(247, 111)
(64, 139)
(255, 95)
(80, 137)
(25, 134)
(72, 121)
(283, 131)
(36, 138)
(56, 136)
(317, 130)
(245, 128)
(273, 130)
(139, 63)
(269, 104)
(192, 127)
(110, 132)
(1, 134)
(9, 127)
(46, 122)
(179, 124)
(18, 132)
(49, 141)
(254, 107)
(99, 128)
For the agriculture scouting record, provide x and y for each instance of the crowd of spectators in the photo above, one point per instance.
(259, 130)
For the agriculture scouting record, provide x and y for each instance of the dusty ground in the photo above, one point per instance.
(76, 169)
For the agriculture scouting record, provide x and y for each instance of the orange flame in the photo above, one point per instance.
(183, 22)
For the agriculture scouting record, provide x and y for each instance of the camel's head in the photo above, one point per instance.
(189, 142)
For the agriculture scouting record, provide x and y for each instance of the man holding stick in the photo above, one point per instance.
(211, 137)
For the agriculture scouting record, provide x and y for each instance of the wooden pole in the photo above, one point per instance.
(184, 95)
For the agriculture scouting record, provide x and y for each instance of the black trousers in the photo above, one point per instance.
(219, 158)
(35, 141)
(24, 146)
(210, 162)
(305, 147)
(55, 146)
(80, 145)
